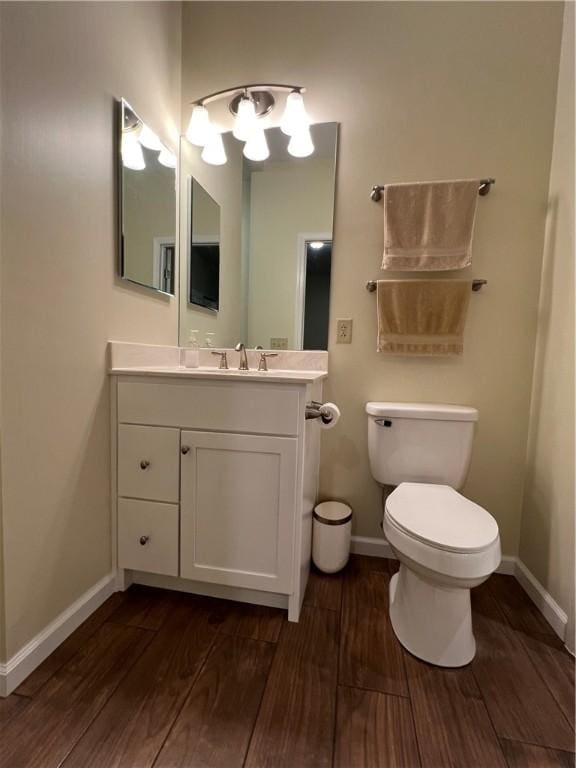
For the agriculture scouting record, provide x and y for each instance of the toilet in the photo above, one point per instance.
(446, 544)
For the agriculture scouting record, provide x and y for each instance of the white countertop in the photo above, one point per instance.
(276, 376)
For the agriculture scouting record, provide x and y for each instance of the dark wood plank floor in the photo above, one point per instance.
(159, 679)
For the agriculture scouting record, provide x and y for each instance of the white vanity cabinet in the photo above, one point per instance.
(215, 483)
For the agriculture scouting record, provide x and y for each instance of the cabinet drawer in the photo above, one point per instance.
(234, 407)
(148, 462)
(148, 536)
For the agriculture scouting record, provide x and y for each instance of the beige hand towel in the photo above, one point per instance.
(422, 317)
(429, 225)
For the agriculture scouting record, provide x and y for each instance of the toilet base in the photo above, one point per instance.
(434, 623)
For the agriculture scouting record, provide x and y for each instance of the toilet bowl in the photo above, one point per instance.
(446, 544)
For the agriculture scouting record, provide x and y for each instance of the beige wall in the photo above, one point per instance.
(547, 535)
(286, 200)
(422, 91)
(63, 64)
(224, 184)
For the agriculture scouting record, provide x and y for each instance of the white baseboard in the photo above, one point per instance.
(510, 566)
(363, 545)
(542, 599)
(25, 661)
(507, 565)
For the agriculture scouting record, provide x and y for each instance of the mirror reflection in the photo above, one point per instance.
(204, 257)
(147, 201)
(275, 252)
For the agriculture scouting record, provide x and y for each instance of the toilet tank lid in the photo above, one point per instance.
(436, 411)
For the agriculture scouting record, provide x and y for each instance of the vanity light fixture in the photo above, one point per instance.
(200, 127)
(246, 123)
(249, 103)
(316, 245)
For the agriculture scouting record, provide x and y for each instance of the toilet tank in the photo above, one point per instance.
(420, 443)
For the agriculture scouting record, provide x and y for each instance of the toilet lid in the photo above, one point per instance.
(441, 517)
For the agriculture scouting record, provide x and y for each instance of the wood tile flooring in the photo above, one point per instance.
(170, 680)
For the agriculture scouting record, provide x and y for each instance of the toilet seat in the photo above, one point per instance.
(417, 526)
(440, 517)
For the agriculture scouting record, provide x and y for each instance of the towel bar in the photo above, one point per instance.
(483, 189)
(476, 285)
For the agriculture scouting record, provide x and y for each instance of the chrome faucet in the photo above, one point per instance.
(243, 366)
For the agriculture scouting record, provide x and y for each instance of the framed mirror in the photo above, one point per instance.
(275, 249)
(146, 205)
(204, 250)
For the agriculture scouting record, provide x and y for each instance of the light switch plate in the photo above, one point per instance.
(344, 331)
(278, 343)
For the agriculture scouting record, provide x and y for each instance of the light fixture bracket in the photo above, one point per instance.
(263, 102)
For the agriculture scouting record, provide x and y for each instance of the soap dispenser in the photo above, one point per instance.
(192, 352)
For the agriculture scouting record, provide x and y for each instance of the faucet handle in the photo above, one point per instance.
(263, 365)
(223, 359)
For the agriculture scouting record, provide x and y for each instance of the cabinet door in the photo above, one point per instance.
(148, 464)
(148, 536)
(238, 495)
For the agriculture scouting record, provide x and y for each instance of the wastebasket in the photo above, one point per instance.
(331, 535)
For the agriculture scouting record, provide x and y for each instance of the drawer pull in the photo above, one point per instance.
(185, 449)
(144, 464)
(144, 540)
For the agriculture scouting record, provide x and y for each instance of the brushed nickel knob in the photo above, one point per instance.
(144, 540)
(185, 449)
(144, 464)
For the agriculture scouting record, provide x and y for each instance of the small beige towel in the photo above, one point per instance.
(422, 317)
(429, 225)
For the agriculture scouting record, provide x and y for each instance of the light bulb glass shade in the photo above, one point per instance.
(199, 128)
(301, 144)
(256, 148)
(246, 122)
(295, 117)
(214, 152)
(167, 158)
(132, 155)
(149, 139)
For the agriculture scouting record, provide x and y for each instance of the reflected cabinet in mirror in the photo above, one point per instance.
(147, 205)
(269, 274)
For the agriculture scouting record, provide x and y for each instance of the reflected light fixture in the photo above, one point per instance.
(316, 244)
(248, 104)
(149, 139)
(256, 148)
(167, 158)
(214, 152)
(132, 155)
(301, 144)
